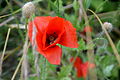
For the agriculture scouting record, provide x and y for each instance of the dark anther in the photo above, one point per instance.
(51, 38)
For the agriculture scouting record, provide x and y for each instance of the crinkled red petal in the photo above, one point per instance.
(53, 55)
(41, 23)
(69, 38)
(39, 42)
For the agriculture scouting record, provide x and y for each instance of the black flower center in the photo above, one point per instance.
(51, 38)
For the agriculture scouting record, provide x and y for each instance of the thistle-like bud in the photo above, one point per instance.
(108, 26)
(28, 9)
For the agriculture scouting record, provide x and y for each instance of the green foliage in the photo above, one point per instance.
(80, 79)
(82, 45)
(65, 72)
(66, 78)
(33, 78)
(43, 68)
(106, 63)
(95, 5)
(76, 6)
(107, 71)
(87, 3)
(57, 7)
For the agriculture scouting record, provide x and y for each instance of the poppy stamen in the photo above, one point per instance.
(51, 38)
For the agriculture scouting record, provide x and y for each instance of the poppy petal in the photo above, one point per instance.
(39, 42)
(84, 68)
(42, 22)
(79, 72)
(30, 30)
(53, 55)
(55, 26)
(77, 62)
(69, 38)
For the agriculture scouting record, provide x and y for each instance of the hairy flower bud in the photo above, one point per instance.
(28, 9)
(108, 26)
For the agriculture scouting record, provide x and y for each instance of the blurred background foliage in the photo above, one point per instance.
(106, 64)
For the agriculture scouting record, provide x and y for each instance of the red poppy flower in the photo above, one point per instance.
(49, 32)
(81, 67)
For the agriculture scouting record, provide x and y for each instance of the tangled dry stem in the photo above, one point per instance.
(90, 52)
(24, 69)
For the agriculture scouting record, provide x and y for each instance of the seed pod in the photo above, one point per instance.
(28, 9)
(108, 26)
